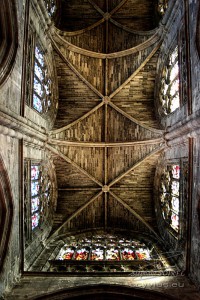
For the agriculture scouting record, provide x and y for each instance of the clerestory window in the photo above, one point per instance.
(169, 91)
(51, 7)
(38, 79)
(170, 195)
(37, 193)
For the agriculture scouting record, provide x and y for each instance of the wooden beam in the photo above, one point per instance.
(78, 120)
(77, 212)
(132, 211)
(152, 40)
(81, 77)
(67, 159)
(98, 9)
(105, 210)
(154, 130)
(136, 32)
(104, 144)
(136, 165)
(136, 72)
(79, 189)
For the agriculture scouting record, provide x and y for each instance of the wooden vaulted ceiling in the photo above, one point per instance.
(106, 140)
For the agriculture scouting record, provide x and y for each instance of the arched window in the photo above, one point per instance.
(6, 212)
(39, 88)
(170, 195)
(169, 91)
(37, 192)
(42, 82)
(106, 253)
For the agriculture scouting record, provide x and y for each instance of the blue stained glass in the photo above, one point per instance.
(35, 220)
(38, 87)
(37, 103)
(38, 72)
(39, 55)
(35, 170)
(35, 188)
(35, 202)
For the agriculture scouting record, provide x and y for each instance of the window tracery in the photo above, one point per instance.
(51, 7)
(170, 195)
(39, 83)
(169, 91)
(106, 253)
(37, 193)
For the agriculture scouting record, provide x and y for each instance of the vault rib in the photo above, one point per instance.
(81, 77)
(104, 144)
(127, 29)
(136, 71)
(135, 214)
(78, 211)
(118, 7)
(152, 40)
(78, 120)
(136, 165)
(159, 131)
(67, 159)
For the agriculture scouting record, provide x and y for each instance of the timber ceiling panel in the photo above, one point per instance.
(106, 141)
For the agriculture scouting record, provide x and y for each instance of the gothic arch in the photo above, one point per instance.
(6, 209)
(198, 32)
(106, 292)
(8, 38)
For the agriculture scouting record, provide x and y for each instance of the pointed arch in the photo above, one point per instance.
(8, 38)
(6, 209)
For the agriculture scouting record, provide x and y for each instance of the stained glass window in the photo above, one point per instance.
(40, 193)
(41, 83)
(51, 7)
(169, 92)
(170, 195)
(104, 247)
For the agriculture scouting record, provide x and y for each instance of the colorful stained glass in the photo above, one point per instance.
(35, 187)
(112, 254)
(66, 254)
(37, 103)
(35, 171)
(35, 220)
(35, 202)
(142, 253)
(176, 171)
(128, 254)
(97, 254)
(82, 254)
(175, 221)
